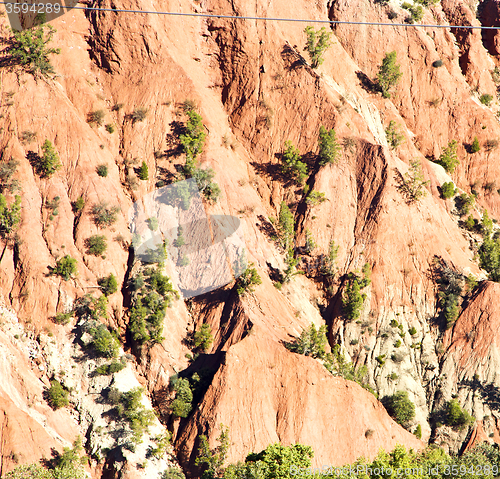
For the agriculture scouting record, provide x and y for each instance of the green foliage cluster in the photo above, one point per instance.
(203, 339)
(451, 289)
(328, 146)
(315, 198)
(108, 284)
(63, 318)
(194, 139)
(416, 12)
(96, 245)
(318, 41)
(310, 243)
(87, 307)
(486, 99)
(96, 117)
(152, 223)
(413, 184)
(10, 216)
(104, 342)
(475, 146)
(111, 368)
(162, 445)
(399, 407)
(329, 263)
(464, 203)
(247, 281)
(78, 205)
(7, 170)
(456, 417)
(65, 267)
(57, 395)
(352, 298)
(448, 190)
(48, 163)
(29, 50)
(152, 297)
(130, 408)
(489, 254)
(286, 227)
(102, 170)
(394, 135)
(105, 215)
(143, 172)
(292, 164)
(182, 404)
(448, 158)
(172, 473)
(213, 459)
(311, 342)
(206, 186)
(389, 74)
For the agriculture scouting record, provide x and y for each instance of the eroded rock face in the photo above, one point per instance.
(255, 90)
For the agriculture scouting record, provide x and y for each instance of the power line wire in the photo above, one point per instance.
(271, 19)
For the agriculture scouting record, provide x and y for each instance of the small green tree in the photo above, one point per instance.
(315, 198)
(475, 147)
(182, 404)
(108, 284)
(206, 186)
(105, 215)
(96, 117)
(486, 99)
(413, 184)
(312, 342)
(194, 139)
(286, 227)
(328, 146)
(464, 203)
(394, 136)
(418, 432)
(247, 281)
(329, 263)
(49, 162)
(65, 267)
(400, 407)
(292, 164)
(203, 338)
(448, 159)
(310, 243)
(213, 459)
(104, 342)
(10, 216)
(318, 41)
(29, 50)
(456, 417)
(389, 74)
(143, 171)
(96, 245)
(447, 190)
(57, 395)
(352, 298)
(102, 170)
(416, 12)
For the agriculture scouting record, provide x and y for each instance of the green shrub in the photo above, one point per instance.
(310, 244)
(143, 172)
(329, 263)
(57, 395)
(102, 170)
(208, 188)
(437, 63)
(203, 338)
(447, 190)
(111, 368)
(7, 171)
(393, 377)
(10, 216)
(397, 344)
(96, 245)
(49, 161)
(328, 146)
(78, 205)
(486, 99)
(139, 114)
(389, 74)
(412, 331)
(108, 284)
(172, 473)
(29, 50)
(286, 227)
(247, 281)
(475, 146)
(105, 215)
(213, 458)
(182, 404)
(65, 267)
(456, 417)
(105, 344)
(318, 41)
(448, 159)
(489, 254)
(315, 198)
(312, 342)
(152, 223)
(110, 128)
(394, 135)
(418, 432)
(400, 408)
(464, 203)
(416, 12)
(193, 140)
(96, 117)
(62, 318)
(413, 183)
(292, 165)
(352, 298)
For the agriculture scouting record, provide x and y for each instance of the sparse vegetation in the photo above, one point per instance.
(105, 215)
(456, 417)
(248, 280)
(203, 339)
(96, 245)
(104, 343)
(65, 267)
(10, 216)
(464, 203)
(312, 342)
(329, 265)
(437, 63)
(413, 183)
(448, 190)
(193, 140)
(213, 459)
(352, 298)
(143, 173)
(315, 198)
(328, 146)
(416, 12)
(292, 164)
(110, 128)
(139, 114)
(152, 223)
(29, 50)
(486, 99)
(78, 205)
(475, 146)
(400, 407)
(49, 162)
(448, 159)
(96, 117)
(318, 41)
(102, 170)
(394, 135)
(111, 368)
(286, 227)
(108, 284)
(57, 395)
(389, 74)
(182, 404)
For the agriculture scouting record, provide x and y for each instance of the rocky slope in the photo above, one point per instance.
(254, 89)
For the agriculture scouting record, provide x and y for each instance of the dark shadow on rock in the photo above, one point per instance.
(366, 83)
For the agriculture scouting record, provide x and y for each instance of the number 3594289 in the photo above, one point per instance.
(32, 7)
